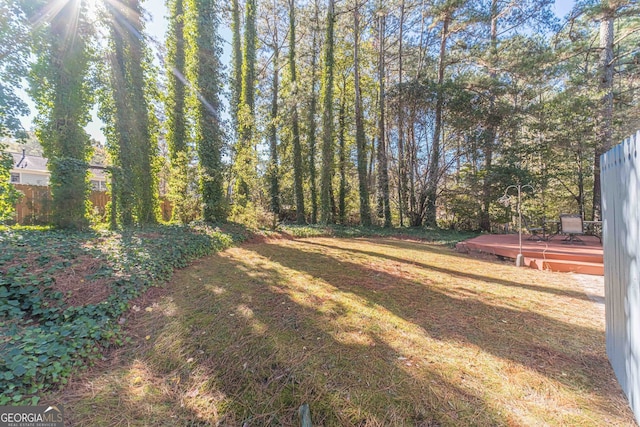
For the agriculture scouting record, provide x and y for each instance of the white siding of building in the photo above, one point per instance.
(33, 179)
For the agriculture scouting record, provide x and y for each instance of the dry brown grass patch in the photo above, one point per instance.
(76, 286)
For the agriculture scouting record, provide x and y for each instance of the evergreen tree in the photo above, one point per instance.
(434, 161)
(604, 130)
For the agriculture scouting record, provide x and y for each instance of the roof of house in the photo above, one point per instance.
(29, 163)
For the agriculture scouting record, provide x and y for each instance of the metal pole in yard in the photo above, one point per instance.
(505, 201)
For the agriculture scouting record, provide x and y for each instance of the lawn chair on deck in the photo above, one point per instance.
(535, 233)
(572, 226)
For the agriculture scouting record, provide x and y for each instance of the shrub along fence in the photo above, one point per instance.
(35, 206)
(620, 179)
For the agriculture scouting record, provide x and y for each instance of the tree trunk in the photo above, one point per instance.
(412, 166)
(245, 159)
(175, 107)
(326, 192)
(144, 146)
(67, 145)
(274, 185)
(434, 162)
(605, 128)
(123, 193)
(491, 133)
(297, 149)
(402, 172)
(311, 119)
(361, 142)
(342, 194)
(236, 54)
(384, 208)
(208, 133)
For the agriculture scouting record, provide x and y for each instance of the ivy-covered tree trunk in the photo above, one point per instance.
(145, 144)
(384, 208)
(295, 126)
(361, 142)
(121, 147)
(176, 126)
(311, 119)
(342, 155)
(326, 216)
(245, 158)
(236, 60)
(205, 73)
(60, 85)
(273, 171)
(131, 142)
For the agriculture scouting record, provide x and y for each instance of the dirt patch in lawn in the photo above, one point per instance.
(368, 332)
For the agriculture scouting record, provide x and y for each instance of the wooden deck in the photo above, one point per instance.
(551, 255)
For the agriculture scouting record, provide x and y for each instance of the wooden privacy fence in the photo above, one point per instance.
(620, 179)
(35, 206)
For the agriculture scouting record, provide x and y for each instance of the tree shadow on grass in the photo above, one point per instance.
(453, 272)
(248, 335)
(239, 341)
(278, 349)
(567, 353)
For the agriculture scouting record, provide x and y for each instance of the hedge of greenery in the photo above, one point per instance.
(445, 237)
(43, 337)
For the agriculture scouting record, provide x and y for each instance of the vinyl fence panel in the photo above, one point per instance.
(620, 179)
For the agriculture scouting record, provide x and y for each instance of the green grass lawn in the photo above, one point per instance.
(369, 331)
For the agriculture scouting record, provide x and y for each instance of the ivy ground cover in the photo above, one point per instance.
(63, 295)
(366, 331)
